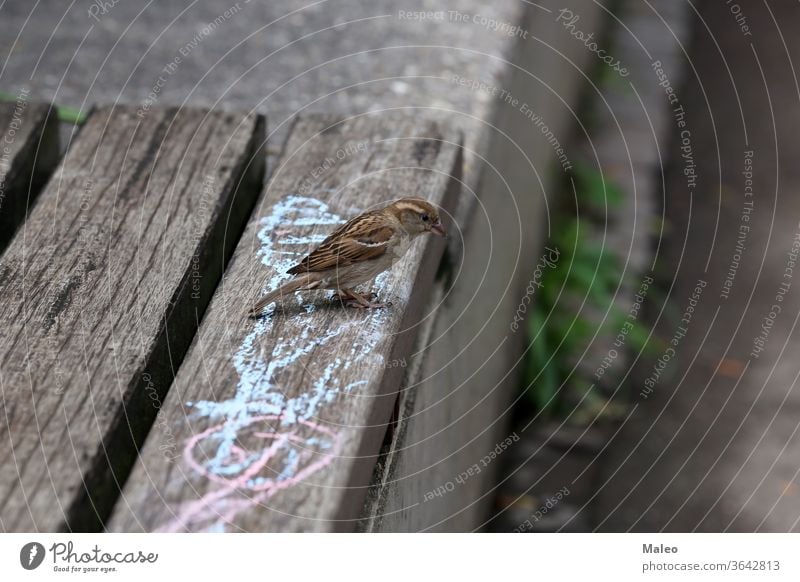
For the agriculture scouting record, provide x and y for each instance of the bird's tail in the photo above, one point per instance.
(304, 281)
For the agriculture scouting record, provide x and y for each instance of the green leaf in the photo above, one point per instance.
(594, 189)
(542, 377)
(574, 335)
(582, 278)
(65, 114)
(70, 115)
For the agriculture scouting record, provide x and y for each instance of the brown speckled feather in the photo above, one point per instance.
(358, 251)
(367, 238)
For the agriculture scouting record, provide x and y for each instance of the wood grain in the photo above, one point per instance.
(465, 374)
(103, 289)
(275, 424)
(28, 155)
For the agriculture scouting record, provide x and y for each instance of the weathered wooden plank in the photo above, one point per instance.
(275, 424)
(471, 350)
(28, 155)
(102, 290)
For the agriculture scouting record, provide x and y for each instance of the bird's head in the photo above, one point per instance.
(417, 216)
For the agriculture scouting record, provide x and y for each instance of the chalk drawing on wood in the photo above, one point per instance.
(253, 449)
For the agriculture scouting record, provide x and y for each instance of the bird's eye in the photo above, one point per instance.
(424, 218)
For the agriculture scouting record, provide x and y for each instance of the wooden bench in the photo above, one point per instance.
(276, 424)
(102, 292)
(79, 405)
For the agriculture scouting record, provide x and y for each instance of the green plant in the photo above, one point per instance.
(584, 281)
(65, 114)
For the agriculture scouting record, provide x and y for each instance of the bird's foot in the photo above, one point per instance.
(359, 301)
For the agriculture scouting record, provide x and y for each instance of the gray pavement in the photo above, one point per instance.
(280, 57)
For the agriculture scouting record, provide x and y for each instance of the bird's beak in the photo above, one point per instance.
(438, 229)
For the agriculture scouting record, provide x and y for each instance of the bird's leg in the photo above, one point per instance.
(359, 301)
(345, 297)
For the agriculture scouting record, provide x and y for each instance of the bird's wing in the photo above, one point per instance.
(362, 238)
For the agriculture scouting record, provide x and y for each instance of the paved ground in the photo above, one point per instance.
(715, 445)
(280, 57)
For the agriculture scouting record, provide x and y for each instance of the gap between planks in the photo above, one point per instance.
(103, 291)
(275, 424)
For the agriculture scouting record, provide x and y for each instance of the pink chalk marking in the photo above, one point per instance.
(223, 504)
(253, 481)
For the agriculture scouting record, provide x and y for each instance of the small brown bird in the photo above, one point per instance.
(359, 250)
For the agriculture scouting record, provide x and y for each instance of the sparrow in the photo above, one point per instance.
(358, 251)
